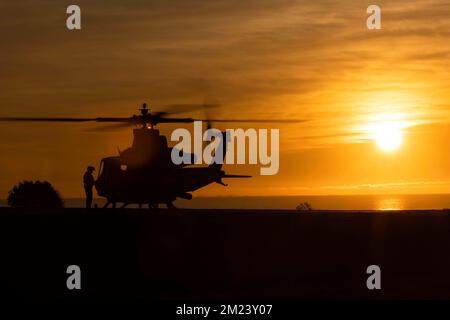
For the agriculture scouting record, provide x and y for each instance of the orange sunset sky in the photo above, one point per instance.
(376, 101)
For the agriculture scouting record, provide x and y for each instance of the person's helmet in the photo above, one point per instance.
(90, 168)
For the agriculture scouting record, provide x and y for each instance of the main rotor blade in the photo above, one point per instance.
(129, 120)
(188, 120)
(32, 119)
(110, 127)
(137, 119)
(174, 120)
(255, 120)
(46, 119)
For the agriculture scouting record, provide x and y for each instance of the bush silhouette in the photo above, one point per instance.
(29, 194)
(305, 206)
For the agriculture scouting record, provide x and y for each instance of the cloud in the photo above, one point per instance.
(295, 59)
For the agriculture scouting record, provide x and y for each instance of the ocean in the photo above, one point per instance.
(350, 202)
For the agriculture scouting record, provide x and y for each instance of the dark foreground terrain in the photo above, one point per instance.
(214, 254)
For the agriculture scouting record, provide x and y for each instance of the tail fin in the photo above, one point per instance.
(217, 167)
(224, 143)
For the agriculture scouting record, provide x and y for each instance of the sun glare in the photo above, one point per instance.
(388, 136)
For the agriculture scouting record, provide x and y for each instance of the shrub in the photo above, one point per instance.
(305, 206)
(29, 194)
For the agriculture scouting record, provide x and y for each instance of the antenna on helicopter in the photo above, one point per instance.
(146, 117)
(144, 110)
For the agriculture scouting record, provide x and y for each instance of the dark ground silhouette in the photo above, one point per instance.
(204, 254)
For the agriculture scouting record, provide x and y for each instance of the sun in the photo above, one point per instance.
(388, 136)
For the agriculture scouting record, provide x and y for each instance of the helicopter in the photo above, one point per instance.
(144, 172)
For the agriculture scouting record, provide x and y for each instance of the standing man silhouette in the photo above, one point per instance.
(89, 181)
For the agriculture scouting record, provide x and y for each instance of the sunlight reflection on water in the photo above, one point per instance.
(389, 204)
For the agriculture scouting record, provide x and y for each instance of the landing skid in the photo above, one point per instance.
(170, 206)
(113, 205)
(151, 206)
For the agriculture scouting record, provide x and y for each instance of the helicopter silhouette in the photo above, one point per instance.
(144, 172)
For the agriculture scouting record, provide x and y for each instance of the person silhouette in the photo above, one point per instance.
(88, 181)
